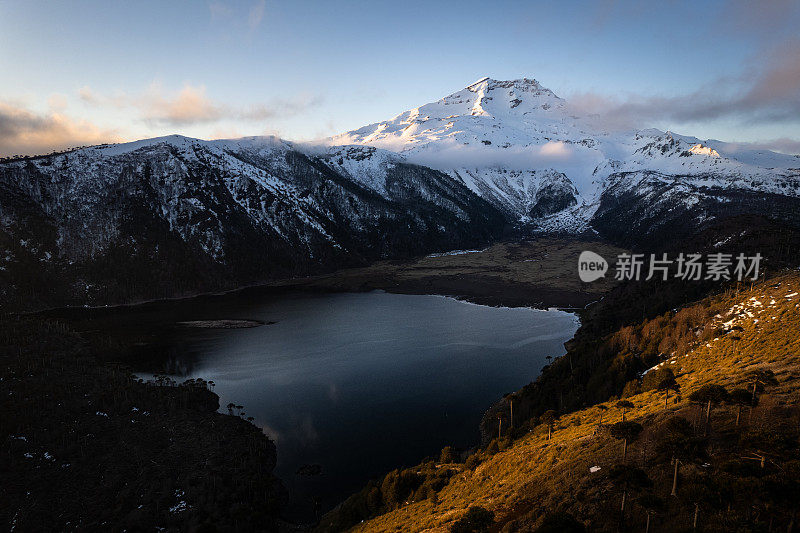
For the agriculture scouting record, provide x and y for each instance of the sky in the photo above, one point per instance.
(86, 72)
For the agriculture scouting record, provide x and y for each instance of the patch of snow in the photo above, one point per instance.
(178, 507)
(456, 252)
(502, 138)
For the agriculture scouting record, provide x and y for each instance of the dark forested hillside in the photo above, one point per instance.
(175, 216)
(90, 447)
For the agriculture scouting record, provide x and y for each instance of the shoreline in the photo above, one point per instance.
(534, 300)
(485, 278)
(537, 274)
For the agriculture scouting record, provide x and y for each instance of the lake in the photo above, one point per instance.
(359, 384)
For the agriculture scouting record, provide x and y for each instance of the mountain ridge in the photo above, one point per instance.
(197, 216)
(506, 140)
(497, 159)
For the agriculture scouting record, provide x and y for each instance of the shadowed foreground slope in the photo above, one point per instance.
(86, 446)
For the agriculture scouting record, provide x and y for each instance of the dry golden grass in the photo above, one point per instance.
(534, 472)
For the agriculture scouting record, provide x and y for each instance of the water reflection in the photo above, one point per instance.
(352, 385)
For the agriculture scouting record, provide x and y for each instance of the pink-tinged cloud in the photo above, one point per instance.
(769, 93)
(23, 132)
(772, 18)
(783, 145)
(189, 106)
(86, 94)
(57, 102)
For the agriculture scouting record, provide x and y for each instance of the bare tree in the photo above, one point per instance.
(651, 504)
(761, 378)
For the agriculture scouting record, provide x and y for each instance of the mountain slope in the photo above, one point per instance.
(173, 215)
(524, 477)
(523, 149)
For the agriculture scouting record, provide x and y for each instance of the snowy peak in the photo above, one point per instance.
(699, 149)
(523, 85)
(505, 140)
(473, 86)
(494, 98)
(487, 112)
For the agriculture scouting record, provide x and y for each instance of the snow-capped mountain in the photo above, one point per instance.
(522, 148)
(174, 215)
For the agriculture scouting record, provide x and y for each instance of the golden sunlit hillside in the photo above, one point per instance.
(737, 468)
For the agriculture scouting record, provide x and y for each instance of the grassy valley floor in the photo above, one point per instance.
(538, 273)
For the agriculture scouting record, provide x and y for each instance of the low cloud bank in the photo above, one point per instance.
(575, 161)
(191, 105)
(767, 94)
(23, 132)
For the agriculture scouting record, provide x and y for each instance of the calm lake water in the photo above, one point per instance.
(356, 383)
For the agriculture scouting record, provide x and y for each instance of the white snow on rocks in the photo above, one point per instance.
(506, 140)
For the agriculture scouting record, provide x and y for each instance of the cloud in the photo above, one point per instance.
(558, 155)
(775, 18)
(600, 12)
(555, 149)
(225, 133)
(26, 133)
(779, 84)
(281, 108)
(783, 145)
(219, 10)
(769, 93)
(762, 22)
(256, 14)
(86, 94)
(191, 105)
(57, 102)
(237, 16)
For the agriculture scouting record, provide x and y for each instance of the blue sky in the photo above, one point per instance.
(82, 72)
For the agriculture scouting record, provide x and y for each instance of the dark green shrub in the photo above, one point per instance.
(472, 461)
(476, 519)
(449, 455)
(560, 523)
(654, 378)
